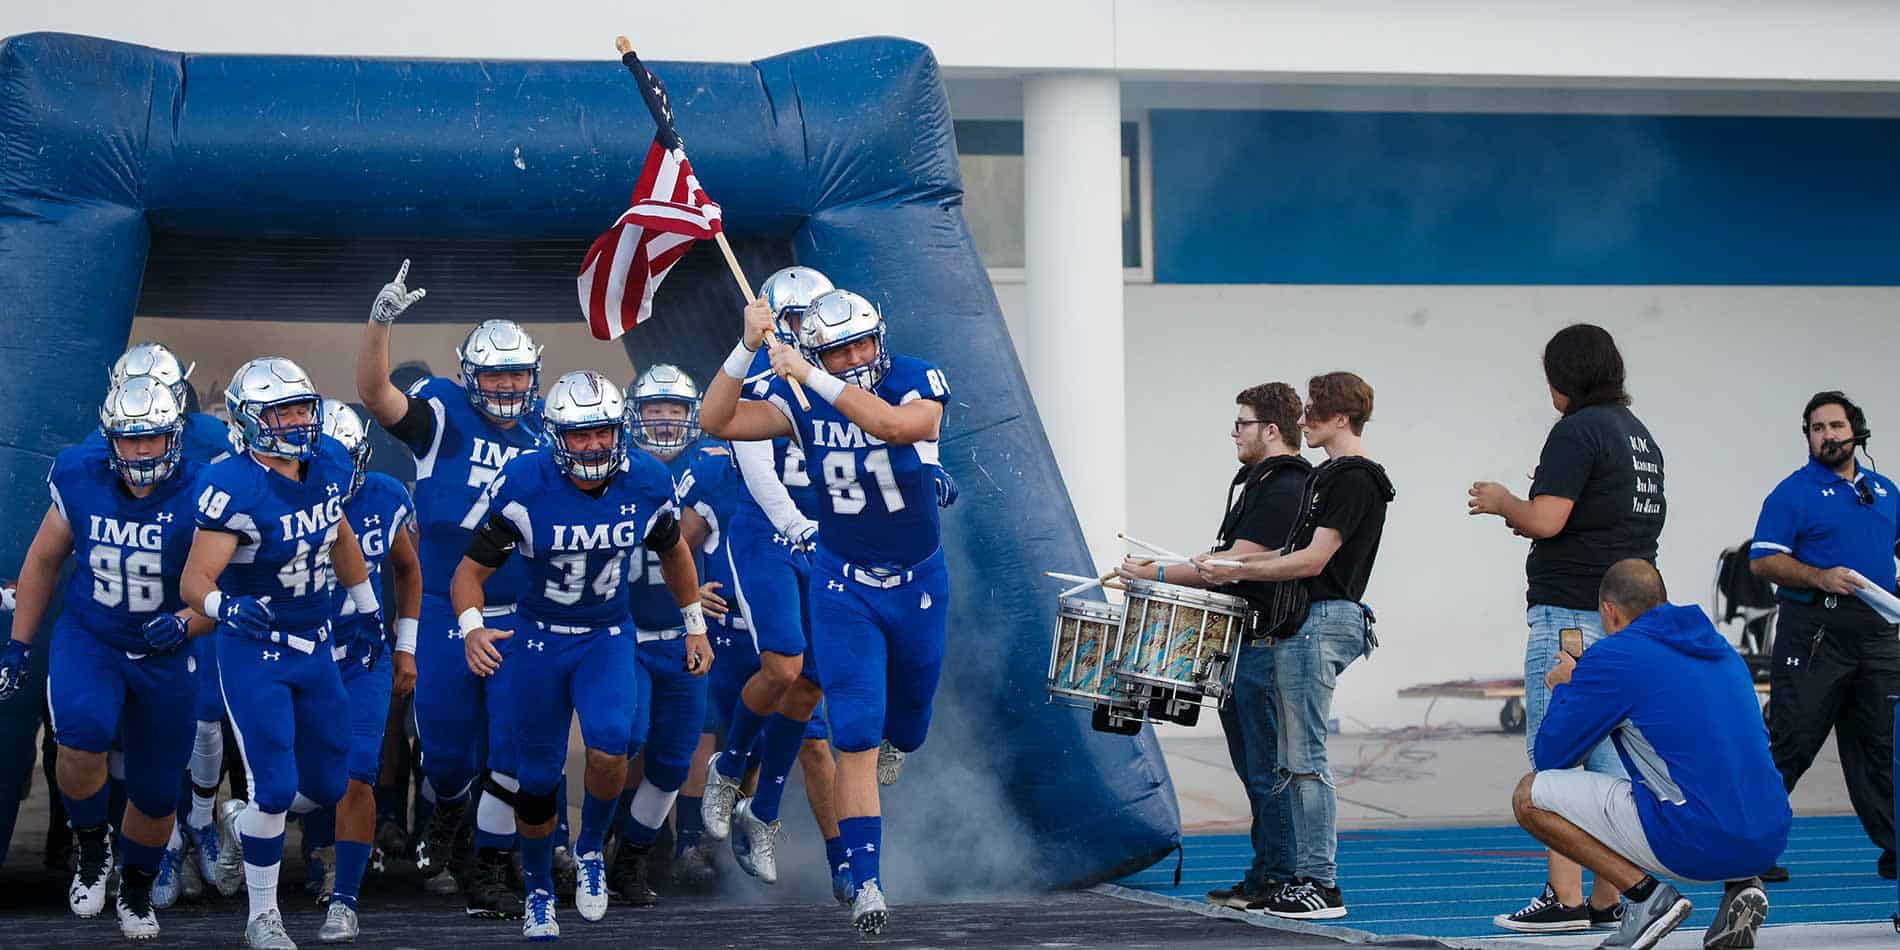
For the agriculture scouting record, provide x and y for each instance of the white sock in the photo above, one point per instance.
(204, 809)
(650, 805)
(495, 816)
(261, 880)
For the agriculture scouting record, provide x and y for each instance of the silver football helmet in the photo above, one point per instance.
(341, 423)
(158, 361)
(265, 384)
(500, 346)
(585, 400)
(138, 406)
(788, 292)
(839, 318)
(663, 383)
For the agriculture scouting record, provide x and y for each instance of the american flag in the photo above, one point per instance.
(668, 212)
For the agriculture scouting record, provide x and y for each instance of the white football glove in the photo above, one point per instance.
(395, 298)
(6, 598)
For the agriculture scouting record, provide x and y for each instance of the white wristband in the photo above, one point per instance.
(406, 635)
(469, 620)
(695, 619)
(739, 361)
(363, 595)
(213, 601)
(827, 386)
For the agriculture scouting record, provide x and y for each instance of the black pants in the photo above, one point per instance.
(1834, 668)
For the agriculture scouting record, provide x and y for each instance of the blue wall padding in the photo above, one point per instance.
(1424, 198)
(844, 150)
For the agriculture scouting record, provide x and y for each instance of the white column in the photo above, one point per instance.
(1072, 262)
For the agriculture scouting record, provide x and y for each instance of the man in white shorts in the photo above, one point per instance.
(1705, 802)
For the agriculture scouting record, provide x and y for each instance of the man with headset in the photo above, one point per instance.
(1828, 528)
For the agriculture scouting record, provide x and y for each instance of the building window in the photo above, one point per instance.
(990, 156)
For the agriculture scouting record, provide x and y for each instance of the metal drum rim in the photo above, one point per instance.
(1187, 596)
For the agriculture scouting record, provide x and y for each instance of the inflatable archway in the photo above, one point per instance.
(843, 153)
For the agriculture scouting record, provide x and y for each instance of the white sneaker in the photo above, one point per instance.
(868, 912)
(266, 932)
(539, 924)
(715, 808)
(87, 895)
(137, 922)
(204, 850)
(755, 843)
(339, 924)
(890, 763)
(229, 876)
(590, 886)
(166, 886)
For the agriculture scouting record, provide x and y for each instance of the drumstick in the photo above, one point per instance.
(1072, 578)
(1137, 542)
(1087, 584)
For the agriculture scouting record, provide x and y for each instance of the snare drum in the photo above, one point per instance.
(1181, 639)
(1082, 656)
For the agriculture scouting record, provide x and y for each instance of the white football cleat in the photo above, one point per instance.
(165, 888)
(755, 844)
(229, 878)
(539, 925)
(590, 886)
(339, 924)
(715, 808)
(868, 913)
(87, 895)
(137, 920)
(266, 932)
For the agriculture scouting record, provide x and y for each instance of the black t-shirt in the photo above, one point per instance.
(1350, 496)
(1263, 502)
(1603, 459)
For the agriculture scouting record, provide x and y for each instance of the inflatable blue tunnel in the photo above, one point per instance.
(840, 157)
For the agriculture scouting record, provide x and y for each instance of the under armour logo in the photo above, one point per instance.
(537, 646)
(457, 635)
(372, 520)
(1794, 661)
(833, 585)
(273, 654)
(165, 517)
(1827, 492)
(780, 539)
(629, 509)
(330, 488)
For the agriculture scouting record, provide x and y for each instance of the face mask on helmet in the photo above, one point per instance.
(584, 406)
(837, 320)
(274, 410)
(665, 427)
(500, 347)
(140, 414)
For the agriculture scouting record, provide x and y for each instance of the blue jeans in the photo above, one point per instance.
(1540, 654)
(1253, 742)
(1305, 672)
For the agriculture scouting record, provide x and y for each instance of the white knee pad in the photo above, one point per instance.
(257, 823)
(650, 805)
(207, 754)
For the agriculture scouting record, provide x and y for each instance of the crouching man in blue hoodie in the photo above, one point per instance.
(1705, 802)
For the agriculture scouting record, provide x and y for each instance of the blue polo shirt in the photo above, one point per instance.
(1817, 517)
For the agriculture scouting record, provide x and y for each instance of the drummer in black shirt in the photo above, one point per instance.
(1262, 502)
(1333, 549)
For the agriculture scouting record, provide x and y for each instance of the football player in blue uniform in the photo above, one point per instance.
(271, 533)
(378, 510)
(772, 531)
(879, 589)
(575, 514)
(206, 439)
(663, 415)
(461, 434)
(122, 508)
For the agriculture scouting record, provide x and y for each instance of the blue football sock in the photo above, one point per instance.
(537, 863)
(860, 837)
(783, 737)
(351, 858)
(88, 812)
(596, 815)
(140, 855)
(689, 823)
(746, 726)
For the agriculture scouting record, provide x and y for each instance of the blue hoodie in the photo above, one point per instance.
(1679, 704)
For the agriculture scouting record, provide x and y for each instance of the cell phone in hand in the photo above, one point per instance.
(1570, 640)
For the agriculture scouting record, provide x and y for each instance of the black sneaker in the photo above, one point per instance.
(1546, 914)
(1221, 895)
(1307, 900)
(628, 878)
(1609, 918)
(438, 842)
(489, 896)
(1744, 906)
(1774, 875)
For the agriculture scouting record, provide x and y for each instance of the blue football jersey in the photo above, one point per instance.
(788, 459)
(130, 551)
(575, 547)
(377, 512)
(284, 529)
(877, 504)
(455, 460)
(705, 479)
(207, 438)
